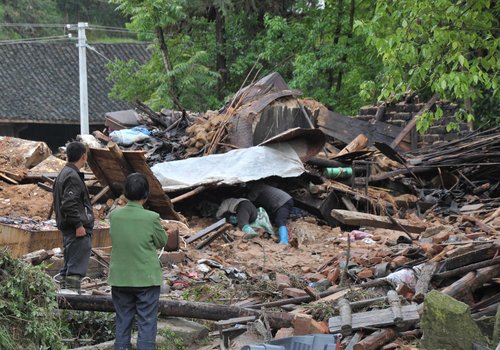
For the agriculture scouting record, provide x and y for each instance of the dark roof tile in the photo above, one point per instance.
(39, 82)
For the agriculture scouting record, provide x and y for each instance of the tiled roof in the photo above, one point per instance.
(39, 82)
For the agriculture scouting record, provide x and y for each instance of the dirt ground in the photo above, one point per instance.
(29, 201)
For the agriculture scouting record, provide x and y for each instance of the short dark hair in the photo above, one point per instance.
(75, 150)
(136, 187)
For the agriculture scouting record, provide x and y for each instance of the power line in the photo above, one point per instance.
(35, 40)
(39, 25)
(126, 31)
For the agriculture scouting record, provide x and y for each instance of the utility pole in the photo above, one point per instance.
(82, 64)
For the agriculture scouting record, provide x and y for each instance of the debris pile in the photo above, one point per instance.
(387, 241)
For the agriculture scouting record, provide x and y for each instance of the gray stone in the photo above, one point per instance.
(190, 332)
(447, 324)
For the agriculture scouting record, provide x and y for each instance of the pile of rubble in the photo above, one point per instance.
(390, 240)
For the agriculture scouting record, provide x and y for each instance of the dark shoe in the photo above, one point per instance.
(73, 283)
(60, 280)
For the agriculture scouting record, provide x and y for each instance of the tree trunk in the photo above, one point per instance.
(174, 94)
(349, 35)
(174, 308)
(221, 64)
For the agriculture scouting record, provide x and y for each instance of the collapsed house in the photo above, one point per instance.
(383, 212)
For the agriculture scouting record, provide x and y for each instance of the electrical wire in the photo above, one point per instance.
(38, 25)
(35, 40)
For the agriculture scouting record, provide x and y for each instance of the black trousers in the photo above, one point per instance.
(76, 254)
(246, 213)
(281, 215)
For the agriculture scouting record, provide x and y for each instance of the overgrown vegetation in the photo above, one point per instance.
(29, 315)
(174, 342)
(28, 307)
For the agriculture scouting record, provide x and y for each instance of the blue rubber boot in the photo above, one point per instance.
(283, 231)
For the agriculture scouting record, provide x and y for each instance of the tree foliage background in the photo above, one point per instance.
(343, 53)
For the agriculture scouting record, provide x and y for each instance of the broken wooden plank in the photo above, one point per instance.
(362, 219)
(346, 129)
(188, 194)
(214, 236)
(376, 340)
(397, 314)
(345, 317)
(112, 170)
(358, 143)
(467, 268)
(99, 195)
(206, 230)
(462, 288)
(376, 318)
(423, 281)
(471, 257)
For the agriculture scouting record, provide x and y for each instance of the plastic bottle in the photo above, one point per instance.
(338, 173)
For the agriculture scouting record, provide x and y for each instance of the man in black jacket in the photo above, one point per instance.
(74, 216)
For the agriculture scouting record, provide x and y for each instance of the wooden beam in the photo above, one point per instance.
(174, 308)
(411, 124)
(376, 340)
(206, 230)
(99, 195)
(357, 144)
(422, 285)
(188, 194)
(120, 159)
(362, 219)
(377, 318)
(214, 236)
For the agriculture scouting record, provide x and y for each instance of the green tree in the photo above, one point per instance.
(437, 46)
(178, 74)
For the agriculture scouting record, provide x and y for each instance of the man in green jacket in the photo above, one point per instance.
(135, 273)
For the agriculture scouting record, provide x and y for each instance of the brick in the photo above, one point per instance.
(365, 273)
(398, 261)
(441, 237)
(376, 260)
(405, 291)
(283, 281)
(314, 277)
(284, 333)
(294, 292)
(305, 269)
(333, 275)
(172, 257)
(304, 324)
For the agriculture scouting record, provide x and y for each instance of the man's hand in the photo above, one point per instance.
(80, 231)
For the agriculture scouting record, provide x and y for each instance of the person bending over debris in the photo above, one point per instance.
(276, 202)
(245, 214)
(74, 217)
(135, 273)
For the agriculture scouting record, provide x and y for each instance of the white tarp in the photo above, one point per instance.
(237, 166)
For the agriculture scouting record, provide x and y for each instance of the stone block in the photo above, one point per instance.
(172, 257)
(444, 316)
(294, 292)
(282, 281)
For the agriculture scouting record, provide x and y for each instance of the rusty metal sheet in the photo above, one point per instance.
(306, 142)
